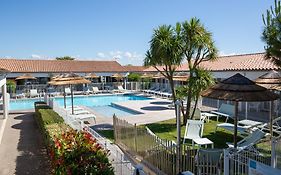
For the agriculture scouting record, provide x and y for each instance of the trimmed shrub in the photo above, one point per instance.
(71, 152)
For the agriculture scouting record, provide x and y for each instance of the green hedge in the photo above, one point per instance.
(70, 151)
(48, 122)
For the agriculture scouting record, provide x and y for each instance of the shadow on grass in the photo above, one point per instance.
(220, 138)
(161, 127)
(107, 133)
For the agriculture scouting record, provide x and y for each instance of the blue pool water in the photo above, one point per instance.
(89, 101)
(110, 110)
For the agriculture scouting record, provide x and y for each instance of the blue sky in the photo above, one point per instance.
(107, 29)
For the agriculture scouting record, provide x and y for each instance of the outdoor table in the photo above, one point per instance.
(208, 115)
(251, 123)
(202, 141)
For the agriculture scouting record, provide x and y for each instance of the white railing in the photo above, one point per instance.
(122, 165)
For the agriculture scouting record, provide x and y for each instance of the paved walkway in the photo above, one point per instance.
(22, 151)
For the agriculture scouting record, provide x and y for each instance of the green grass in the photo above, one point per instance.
(107, 133)
(167, 130)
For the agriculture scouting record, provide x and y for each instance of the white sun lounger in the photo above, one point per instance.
(225, 110)
(85, 116)
(249, 141)
(194, 132)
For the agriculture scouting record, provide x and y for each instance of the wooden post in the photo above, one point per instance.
(271, 105)
(64, 98)
(178, 112)
(71, 88)
(135, 137)
(235, 124)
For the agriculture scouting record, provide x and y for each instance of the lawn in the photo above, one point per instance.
(167, 130)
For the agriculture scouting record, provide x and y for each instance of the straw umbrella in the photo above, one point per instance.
(239, 88)
(69, 79)
(270, 80)
(117, 76)
(26, 77)
(144, 76)
(91, 75)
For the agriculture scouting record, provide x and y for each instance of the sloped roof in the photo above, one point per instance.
(58, 66)
(243, 62)
(134, 68)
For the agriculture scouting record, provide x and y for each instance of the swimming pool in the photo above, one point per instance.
(110, 110)
(89, 101)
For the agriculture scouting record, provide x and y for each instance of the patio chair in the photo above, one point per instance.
(148, 90)
(209, 161)
(230, 127)
(197, 114)
(67, 91)
(193, 130)
(249, 141)
(276, 127)
(225, 110)
(84, 117)
(167, 94)
(20, 94)
(33, 93)
(121, 89)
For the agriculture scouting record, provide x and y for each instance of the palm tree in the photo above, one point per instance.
(199, 83)
(198, 46)
(165, 53)
(272, 33)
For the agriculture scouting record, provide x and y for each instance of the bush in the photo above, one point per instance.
(71, 152)
(134, 77)
(11, 86)
(78, 153)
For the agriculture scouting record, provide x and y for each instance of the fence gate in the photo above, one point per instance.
(236, 163)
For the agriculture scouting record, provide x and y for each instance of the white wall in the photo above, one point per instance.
(14, 75)
(252, 75)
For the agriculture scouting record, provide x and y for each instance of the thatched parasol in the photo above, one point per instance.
(158, 76)
(145, 75)
(91, 75)
(117, 76)
(239, 88)
(181, 78)
(69, 79)
(270, 80)
(26, 77)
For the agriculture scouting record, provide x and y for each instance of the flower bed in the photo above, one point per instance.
(71, 152)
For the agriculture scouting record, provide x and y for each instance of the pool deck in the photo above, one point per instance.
(153, 110)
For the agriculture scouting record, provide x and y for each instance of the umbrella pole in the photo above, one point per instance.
(271, 118)
(235, 124)
(64, 98)
(72, 99)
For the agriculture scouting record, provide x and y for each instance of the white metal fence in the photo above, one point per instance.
(236, 162)
(121, 163)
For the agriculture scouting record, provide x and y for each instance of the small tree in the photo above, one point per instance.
(197, 46)
(11, 86)
(134, 77)
(199, 83)
(65, 58)
(165, 51)
(272, 33)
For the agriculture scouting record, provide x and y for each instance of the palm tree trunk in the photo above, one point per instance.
(195, 106)
(188, 105)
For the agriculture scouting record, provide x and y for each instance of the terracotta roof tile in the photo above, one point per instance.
(134, 68)
(248, 62)
(57, 66)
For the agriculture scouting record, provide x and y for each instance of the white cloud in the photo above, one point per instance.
(101, 55)
(35, 56)
(222, 53)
